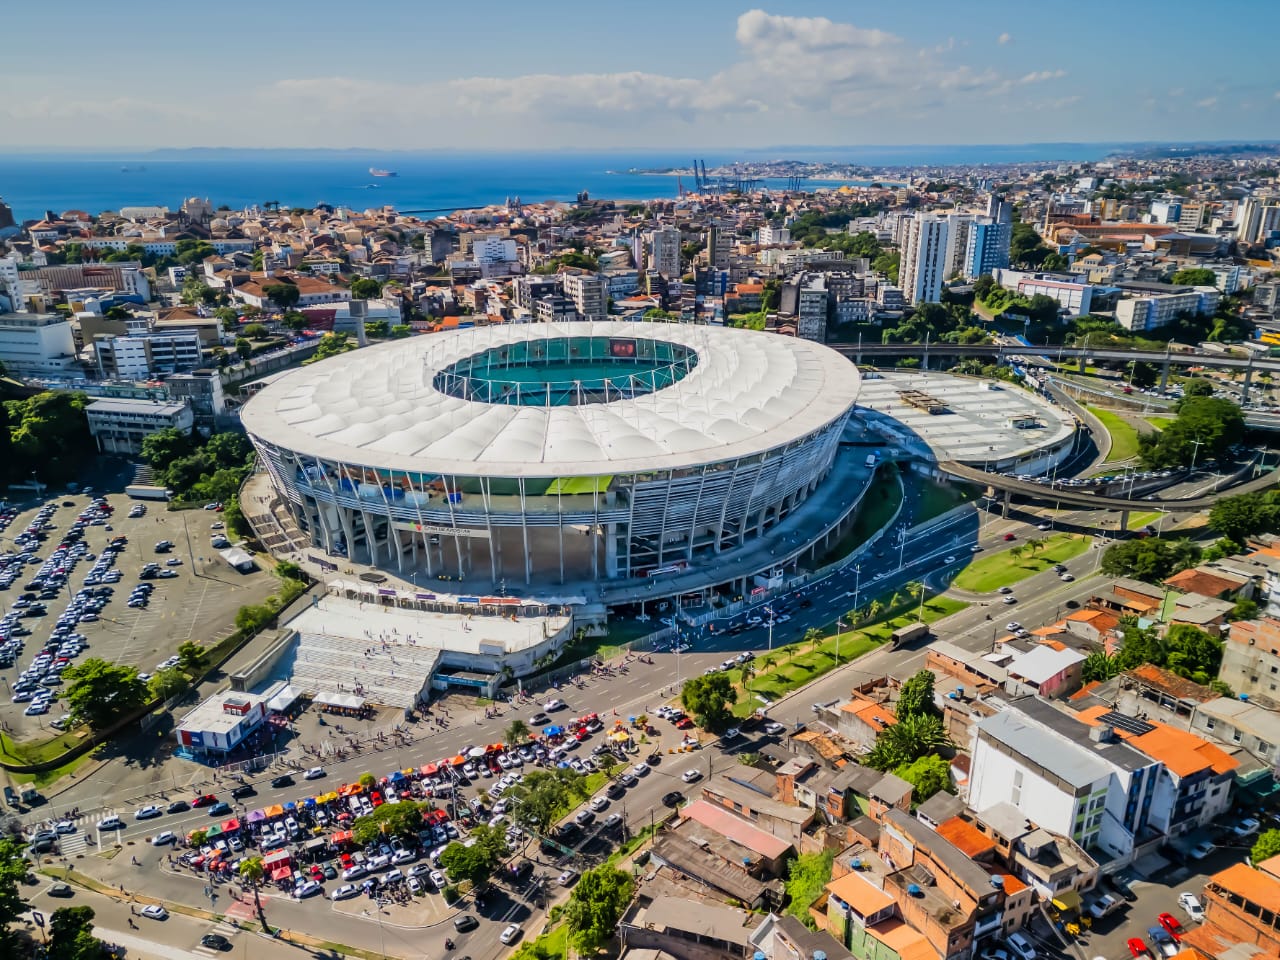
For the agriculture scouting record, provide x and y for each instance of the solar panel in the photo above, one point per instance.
(1122, 721)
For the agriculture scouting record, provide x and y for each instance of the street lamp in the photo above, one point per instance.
(857, 583)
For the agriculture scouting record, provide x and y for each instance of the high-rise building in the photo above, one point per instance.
(1256, 219)
(806, 298)
(719, 245)
(986, 247)
(770, 235)
(958, 228)
(588, 293)
(924, 258)
(664, 252)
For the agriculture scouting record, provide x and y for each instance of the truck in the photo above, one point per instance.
(912, 631)
(143, 491)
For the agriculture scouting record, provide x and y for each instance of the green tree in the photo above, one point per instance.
(907, 740)
(927, 775)
(1195, 277)
(367, 780)
(915, 699)
(331, 344)
(13, 869)
(544, 796)
(1240, 517)
(365, 288)
(745, 673)
(164, 446)
(403, 819)
(229, 449)
(253, 872)
(807, 876)
(477, 862)
(597, 903)
(708, 698)
(192, 657)
(1265, 847)
(1098, 666)
(243, 348)
(71, 935)
(606, 762)
(284, 295)
(293, 320)
(1196, 387)
(400, 330)
(1192, 653)
(1244, 609)
(1205, 428)
(517, 732)
(102, 693)
(255, 331)
(167, 683)
(377, 329)
(49, 435)
(1150, 559)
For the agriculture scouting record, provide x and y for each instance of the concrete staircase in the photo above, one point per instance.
(320, 663)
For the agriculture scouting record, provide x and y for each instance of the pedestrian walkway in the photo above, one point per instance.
(223, 928)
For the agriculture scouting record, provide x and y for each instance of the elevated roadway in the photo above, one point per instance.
(1047, 495)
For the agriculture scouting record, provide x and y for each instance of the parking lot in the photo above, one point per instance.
(68, 593)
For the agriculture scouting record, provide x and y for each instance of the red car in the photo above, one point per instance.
(1010, 536)
(207, 800)
(1138, 948)
(1171, 924)
(684, 723)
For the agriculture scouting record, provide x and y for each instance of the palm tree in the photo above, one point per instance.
(853, 617)
(1035, 544)
(916, 589)
(1017, 551)
(606, 762)
(813, 637)
(747, 671)
(517, 732)
(769, 662)
(251, 869)
(875, 609)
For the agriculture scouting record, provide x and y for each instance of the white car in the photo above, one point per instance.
(1009, 599)
(599, 803)
(551, 705)
(155, 912)
(345, 892)
(403, 856)
(307, 888)
(315, 773)
(511, 934)
(147, 812)
(1021, 946)
(64, 827)
(111, 823)
(1189, 904)
(1245, 828)
(163, 839)
(354, 872)
(640, 769)
(731, 733)
(774, 727)
(691, 775)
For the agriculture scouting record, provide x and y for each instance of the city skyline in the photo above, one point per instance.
(716, 76)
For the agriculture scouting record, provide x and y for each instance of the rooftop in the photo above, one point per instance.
(1183, 753)
(1043, 663)
(975, 429)
(722, 821)
(379, 405)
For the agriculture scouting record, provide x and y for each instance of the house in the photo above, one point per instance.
(1130, 597)
(979, 671)
(1049, 863)
(1048, 670)
(1251, 657)
(1251, 725)
(1092, 625)
(760, 808)
(1208, 582)
(862, 719)
(1242, 905)
(768, 853)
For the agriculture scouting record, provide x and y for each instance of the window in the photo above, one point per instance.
(1209, 723)
(1235, 736)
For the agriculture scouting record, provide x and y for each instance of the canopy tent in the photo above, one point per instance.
(231, 825)
(291, 805)
(275, 810)
(346, 701)
(619, 736)
(284, 873)
(283, 700)
(396, 777)
(275, 859)
(327, 797)
(429, 769)
(552, 731)
(475, 753)
(256, 816)
(214, 831)
(459, 760)
(1067, 900)
(343, 836)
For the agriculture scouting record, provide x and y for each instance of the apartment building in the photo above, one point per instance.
(1078, 781)
(924, 258)
(119, 425)
(770, 235)
(588, 293)
(805, 297)
(1074, 295)
(141, 357)
(664, 252)
(986, 248)
(528, 289)
(719, 244)
(1251, 725)
(1153, 310)
(1251, 657)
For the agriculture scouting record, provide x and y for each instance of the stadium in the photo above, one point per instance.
(602, 453)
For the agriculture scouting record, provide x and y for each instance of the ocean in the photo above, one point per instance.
(437, 182)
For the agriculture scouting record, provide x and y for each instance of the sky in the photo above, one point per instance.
(565, 74)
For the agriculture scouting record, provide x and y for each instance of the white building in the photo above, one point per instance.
(588, 293)
(140, 357)
(37, 344)
(770, 235)
(222, 722)
(119, 424)
(1073, 293)
(664, 252)
(924, 259)
(10, 290)
(1068, 778)
(494, 250)
(1156, 310)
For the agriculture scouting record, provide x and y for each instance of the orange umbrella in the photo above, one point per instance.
(459, 760)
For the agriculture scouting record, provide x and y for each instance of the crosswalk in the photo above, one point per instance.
(223, 928)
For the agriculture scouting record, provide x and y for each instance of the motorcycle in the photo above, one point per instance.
(448, 944)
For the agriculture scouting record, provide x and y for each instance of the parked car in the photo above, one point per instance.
(1021, 945)
(1191, 905)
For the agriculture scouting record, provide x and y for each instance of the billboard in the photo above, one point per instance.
(624, 349)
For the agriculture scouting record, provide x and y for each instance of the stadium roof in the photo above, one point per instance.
(378, 407)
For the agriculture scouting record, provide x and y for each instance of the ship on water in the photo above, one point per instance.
(375, 172)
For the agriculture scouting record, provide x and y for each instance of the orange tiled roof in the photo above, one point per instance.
(1207, 584)
(1251, 884)
(971, 841)
(870, 713)
(1182, 752)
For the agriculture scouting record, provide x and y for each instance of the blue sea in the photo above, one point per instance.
(33, 183)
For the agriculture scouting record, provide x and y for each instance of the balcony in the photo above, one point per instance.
(988, 924)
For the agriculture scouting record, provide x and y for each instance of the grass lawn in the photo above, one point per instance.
(937, 498)
(1124, 439)
(1139, 520)
(878, 505)
(799, 663)
(1004, 569)
(1159, 422)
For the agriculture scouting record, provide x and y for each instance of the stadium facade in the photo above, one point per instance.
(554, 453)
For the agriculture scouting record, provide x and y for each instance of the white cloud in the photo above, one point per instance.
(1004, 38)
(1042, 75)
(1207, 102)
